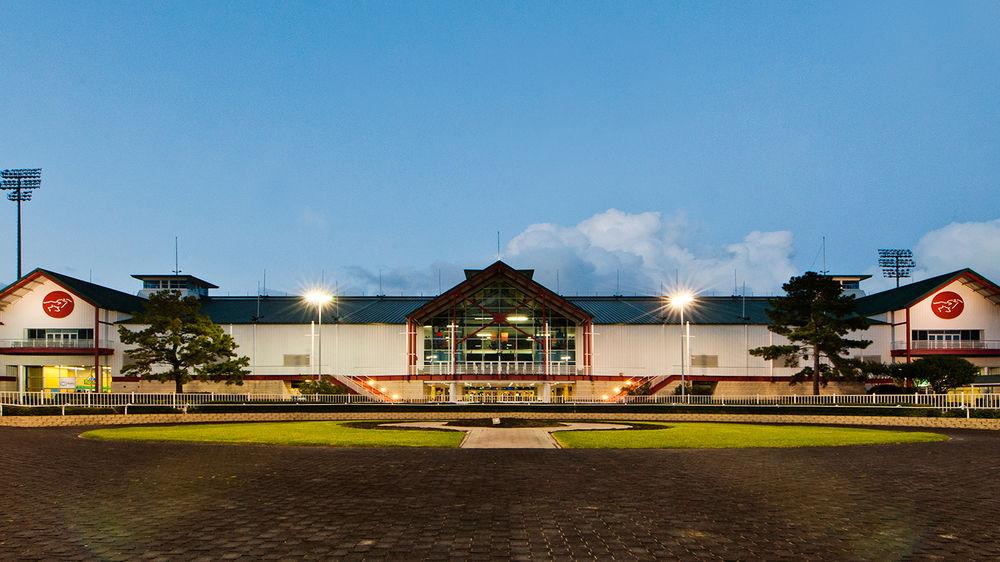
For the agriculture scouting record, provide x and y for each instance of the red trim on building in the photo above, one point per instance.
(908, 334)
(30, 278)
(502, 271)
(957, 352)
(98, 374)
(56, 351)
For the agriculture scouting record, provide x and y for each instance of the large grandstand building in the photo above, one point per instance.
(498, 335)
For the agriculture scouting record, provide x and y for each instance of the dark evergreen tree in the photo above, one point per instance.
(815, 316)
(180, 344)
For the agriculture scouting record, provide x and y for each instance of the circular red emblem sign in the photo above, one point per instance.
(58, 304)
(947, 305)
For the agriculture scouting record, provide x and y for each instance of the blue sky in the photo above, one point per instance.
(335, 140)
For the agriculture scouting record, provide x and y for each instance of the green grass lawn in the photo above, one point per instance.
(726, 435)
(333, 434)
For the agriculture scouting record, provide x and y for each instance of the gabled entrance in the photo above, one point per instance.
(499, 324)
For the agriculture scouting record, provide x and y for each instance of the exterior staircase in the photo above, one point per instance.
(625, 388)
(657, 383)
(360, 386)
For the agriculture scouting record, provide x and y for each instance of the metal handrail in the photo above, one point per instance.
(493, 368)
(947, 344)
(47, 343)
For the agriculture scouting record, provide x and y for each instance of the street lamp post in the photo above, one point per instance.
(680, 301)
(320, 299)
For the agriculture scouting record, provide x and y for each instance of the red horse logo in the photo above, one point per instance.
(947, 305)
(57, 304)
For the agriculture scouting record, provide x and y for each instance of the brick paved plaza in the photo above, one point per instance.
(65, 497)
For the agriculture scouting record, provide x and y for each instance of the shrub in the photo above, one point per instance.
(325, 385)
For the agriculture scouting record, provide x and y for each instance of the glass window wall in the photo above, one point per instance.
(500, 325)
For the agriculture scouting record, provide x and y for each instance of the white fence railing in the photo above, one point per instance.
(943, 401)
(977, 400)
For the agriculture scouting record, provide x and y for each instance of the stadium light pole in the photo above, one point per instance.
(19, 183)
(319, 298)
(896, 263)
(680, 301)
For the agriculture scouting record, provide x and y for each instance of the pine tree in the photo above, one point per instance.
(180, 344)
(815, 317)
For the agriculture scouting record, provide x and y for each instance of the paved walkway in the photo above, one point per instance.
(66, 498)
(511, 438)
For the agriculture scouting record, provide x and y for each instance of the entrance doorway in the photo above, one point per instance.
(496, 394)
(55, 338)
(944, 340)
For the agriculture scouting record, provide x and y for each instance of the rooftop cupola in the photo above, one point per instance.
(186, 285)
(850, 284)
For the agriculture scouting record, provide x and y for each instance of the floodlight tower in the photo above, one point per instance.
(19, 183)
(896, 263)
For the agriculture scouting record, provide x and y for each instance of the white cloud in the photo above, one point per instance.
(647, 251)
(958, 245)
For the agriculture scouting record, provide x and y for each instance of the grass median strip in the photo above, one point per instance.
(319, 433)
(733, 436)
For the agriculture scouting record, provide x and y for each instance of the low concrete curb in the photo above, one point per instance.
(140, 419)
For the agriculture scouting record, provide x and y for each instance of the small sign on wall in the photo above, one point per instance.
(67, 383)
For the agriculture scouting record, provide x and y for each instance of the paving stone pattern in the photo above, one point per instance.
(68, 498)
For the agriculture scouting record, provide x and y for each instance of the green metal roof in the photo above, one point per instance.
(907, 295)
(99, 296)
(291, 310)
(653, 310)
(603, 309)
(394, 310)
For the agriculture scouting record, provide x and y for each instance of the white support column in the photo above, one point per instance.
(453, 391)
(547, 392)
(312, 347)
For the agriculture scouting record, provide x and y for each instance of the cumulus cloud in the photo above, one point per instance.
(634, 253)
(958, 245)
(639, 252)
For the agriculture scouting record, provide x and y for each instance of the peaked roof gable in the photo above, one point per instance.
(909, 295)
(96, 295)
(499, 270)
